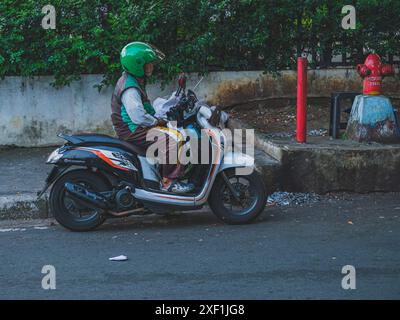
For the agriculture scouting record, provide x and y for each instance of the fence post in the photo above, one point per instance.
(301, 119)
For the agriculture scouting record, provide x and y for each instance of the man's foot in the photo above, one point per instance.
(177, 187)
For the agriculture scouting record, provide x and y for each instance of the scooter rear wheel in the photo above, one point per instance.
(69, 213)
(252, 197)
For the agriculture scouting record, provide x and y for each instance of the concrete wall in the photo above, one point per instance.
(32, 112)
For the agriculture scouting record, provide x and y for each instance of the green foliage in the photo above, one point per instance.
(197, 35)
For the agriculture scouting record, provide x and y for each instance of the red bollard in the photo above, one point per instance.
(301, 119)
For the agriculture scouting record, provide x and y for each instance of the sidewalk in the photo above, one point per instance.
(24, 170)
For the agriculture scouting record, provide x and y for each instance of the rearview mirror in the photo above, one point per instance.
(182, 81)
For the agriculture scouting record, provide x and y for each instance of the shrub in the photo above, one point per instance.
(197, 35)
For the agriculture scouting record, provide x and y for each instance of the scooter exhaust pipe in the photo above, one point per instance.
(91, 199)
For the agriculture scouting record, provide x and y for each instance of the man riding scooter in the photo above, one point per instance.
(133, 115)
(95, 176)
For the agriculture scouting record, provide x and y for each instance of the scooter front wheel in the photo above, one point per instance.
(243, 207)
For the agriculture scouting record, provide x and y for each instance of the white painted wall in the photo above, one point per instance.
(32, 112)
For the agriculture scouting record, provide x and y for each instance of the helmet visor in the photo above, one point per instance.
(159, 54)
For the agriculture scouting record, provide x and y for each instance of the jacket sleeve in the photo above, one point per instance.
(133, 104)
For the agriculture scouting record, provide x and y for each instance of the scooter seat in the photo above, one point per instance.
(86, 139)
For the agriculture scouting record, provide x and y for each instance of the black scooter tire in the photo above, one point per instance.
(216, 202)
(60, 212)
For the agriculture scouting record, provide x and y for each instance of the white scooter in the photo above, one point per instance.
(96, 176)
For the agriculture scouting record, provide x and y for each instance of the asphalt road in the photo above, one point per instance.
(292, 252)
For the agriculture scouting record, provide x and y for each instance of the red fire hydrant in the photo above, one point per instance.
(372, 71)
(372, 116)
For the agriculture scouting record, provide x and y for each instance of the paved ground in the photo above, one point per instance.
(292, 252)
(23, 170)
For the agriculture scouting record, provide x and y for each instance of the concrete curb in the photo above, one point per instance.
(329, 165)
(23, 206)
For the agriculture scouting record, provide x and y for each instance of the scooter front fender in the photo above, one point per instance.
(239, 160)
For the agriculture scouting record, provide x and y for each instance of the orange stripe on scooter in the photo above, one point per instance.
(103, 157)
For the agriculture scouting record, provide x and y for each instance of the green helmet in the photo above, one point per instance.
(136, 54)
